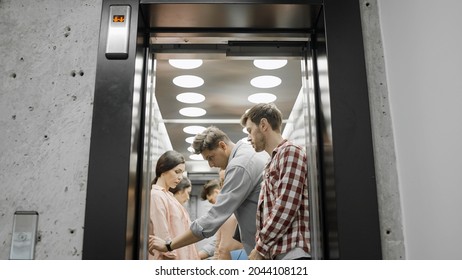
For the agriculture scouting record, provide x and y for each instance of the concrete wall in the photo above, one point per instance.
(388, 192)
(48, 59)
(422, 44)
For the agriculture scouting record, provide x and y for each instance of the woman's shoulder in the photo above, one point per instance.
(158, 192)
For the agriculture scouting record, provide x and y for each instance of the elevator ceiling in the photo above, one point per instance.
(226, 77)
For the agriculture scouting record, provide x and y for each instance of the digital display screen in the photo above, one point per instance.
(118, 18)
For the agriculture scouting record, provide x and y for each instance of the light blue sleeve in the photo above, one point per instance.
(237, 186)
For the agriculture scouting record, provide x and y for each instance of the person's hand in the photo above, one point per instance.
(254, 255)
(156, 243)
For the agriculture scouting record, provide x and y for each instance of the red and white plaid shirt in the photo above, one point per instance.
(282, 213)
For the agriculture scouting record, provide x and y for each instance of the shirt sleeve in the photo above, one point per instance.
(160, 222)
(291, 171)
(209, 248)
(237, 186)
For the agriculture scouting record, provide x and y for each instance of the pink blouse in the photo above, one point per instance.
(168, 219)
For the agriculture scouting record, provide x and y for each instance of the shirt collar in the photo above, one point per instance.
(157, 187)
(275, 150)
(234, 150)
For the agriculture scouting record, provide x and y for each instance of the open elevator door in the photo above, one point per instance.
(350, 225)
(230, 65)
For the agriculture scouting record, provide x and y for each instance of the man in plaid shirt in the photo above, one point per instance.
(282, 214)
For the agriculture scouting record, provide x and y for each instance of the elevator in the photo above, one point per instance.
(324, 103)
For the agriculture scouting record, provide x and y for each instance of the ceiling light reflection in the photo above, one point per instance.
(190, 97)
(193, 129)
(269, 64)
(265, 81)
(190, 140)
(262, 98)
(188, 81)
(192, 112)
(185, 63)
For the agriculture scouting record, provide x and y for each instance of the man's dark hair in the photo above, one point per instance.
(267, 111)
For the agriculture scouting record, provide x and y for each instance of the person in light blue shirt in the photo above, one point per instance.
(239, 195)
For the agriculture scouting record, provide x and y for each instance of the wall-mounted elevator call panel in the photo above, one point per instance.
(24, 235)
(118, 32)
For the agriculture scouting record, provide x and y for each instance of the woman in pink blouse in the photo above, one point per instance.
(168, 218)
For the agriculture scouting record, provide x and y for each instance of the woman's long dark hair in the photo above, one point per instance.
(166, 162)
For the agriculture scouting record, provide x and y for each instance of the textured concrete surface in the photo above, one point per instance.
(48, 59)
(389, 201)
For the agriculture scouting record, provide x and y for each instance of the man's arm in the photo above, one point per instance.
(255, 255)
(185, 239)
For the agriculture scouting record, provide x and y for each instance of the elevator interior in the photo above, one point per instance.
(136, 114)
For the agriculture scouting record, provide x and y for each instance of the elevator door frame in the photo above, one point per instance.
(351, 227)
